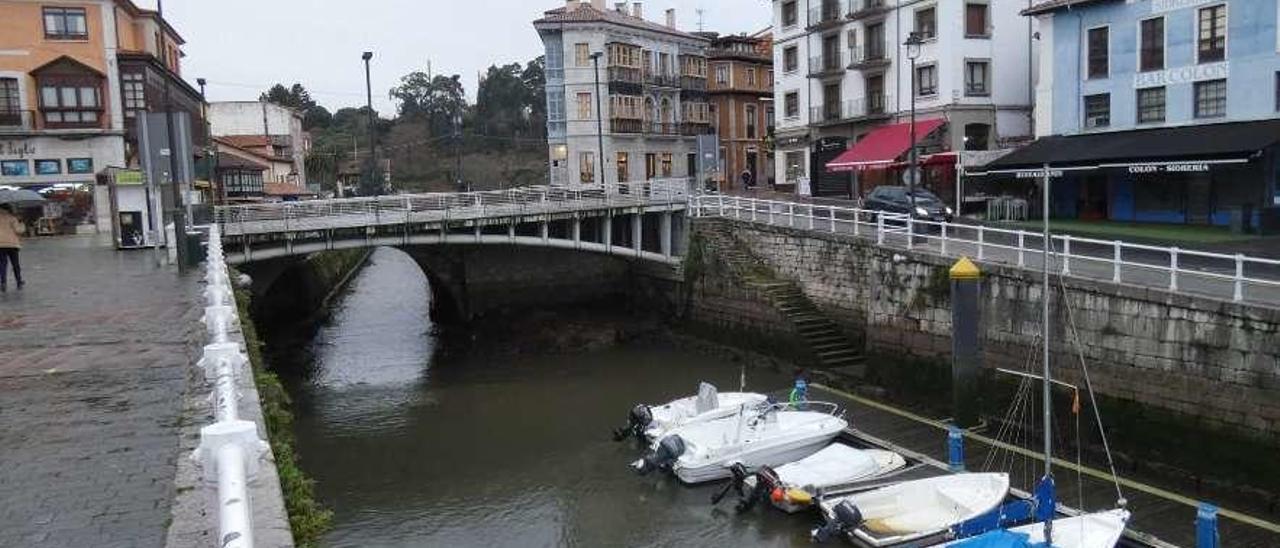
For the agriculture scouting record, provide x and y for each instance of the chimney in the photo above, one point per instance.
(620, 7)
(571, 5)
(671, 18)
(598, 5)
(637, 10)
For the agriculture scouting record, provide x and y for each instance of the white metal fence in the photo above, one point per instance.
(1230, 276)
(230, 448)
(444, 206)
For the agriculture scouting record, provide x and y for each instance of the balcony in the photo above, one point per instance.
(661, 80)
(662, 128)
(859, 9)
(864, 58)
(625, 81)
(831, 13)
(17, 121)
(827, 65)
(626, 125)
(693, 83)
(693, 129)
(855, 110)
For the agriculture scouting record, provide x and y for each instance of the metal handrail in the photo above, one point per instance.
(901, 230)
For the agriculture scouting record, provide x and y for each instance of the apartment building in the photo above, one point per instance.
(845, 78)
(1158, 110)
(741, 89)
(642, 118)
(74, 77)
(271, 132)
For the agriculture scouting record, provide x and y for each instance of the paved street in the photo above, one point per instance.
(94, 358)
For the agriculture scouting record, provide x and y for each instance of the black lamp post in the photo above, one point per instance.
(371, 170)
(913, 52)
(595, 60)
(457, 152)
(218, 196)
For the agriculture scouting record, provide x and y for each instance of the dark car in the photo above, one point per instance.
(897, 199)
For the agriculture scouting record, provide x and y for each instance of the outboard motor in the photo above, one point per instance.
(669, 449)
(767, 481)
(738, 477)
(637, 421)
(847, 518)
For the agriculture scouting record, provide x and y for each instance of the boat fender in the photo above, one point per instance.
(637, 421)
(798, 496)
(846, 517)
(669, 449)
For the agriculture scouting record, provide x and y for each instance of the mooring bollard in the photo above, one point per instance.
(955, 448)
(1207, 526)
(966, 361)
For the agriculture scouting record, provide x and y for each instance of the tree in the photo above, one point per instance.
(502, 102)
(297, 97)
(434, 100)
(534, 78)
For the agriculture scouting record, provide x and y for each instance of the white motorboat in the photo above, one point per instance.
(912, 510)
(655, 421)
(767, 435)
(794, 486)
(1097, 530)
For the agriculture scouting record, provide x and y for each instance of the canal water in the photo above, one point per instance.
(410, 446)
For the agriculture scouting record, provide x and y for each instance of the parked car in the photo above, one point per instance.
(897, 199)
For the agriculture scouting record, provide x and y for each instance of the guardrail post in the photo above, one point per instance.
(879, 228)
(911, 232)
(811, 217)
(1022, 247)
(1173, 269)
(720, 202)
(944, 240)
(982, 240)
(1207, 526)
(754, 207)
(737, 207)
(831, 212)
(791, 214)
(1066, 254)
(1116, 261)
(1239, 281)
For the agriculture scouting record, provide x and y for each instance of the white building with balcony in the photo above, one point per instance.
(844, 78)
(651, 87)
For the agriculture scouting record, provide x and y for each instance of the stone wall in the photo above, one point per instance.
(1216, 362)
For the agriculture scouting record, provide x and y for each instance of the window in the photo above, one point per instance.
(691, 165)
(555, 105)
(751, 114)
(874, 36)
(584, 106)
(48, 167)
(722, 75)
(1099, 57)
(1151, 56)
(977, 136)
(977, 78)
(65, 24)
(135, 93)
(581, 55)
(1151, 105)
(15, 168)
(623, 167)
(926, 80)
(77, 166)
(975, 21)
(667, 162)
(927, 23)
(650, 166)
(794, 165)
(1212, 41)
(791, 106)
(790, 15)
(751, 77)
(70, 103)
(1097, 110)
(790, 59)
(875, 93)
(1211, 99)
(10, 102)
(587, 167)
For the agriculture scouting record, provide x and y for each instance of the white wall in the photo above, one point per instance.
(245, 118)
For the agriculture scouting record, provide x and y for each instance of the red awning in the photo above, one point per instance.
(882, 147)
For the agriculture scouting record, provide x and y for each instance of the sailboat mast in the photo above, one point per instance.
(1048, 407)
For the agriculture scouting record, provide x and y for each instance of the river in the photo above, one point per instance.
(410, 446)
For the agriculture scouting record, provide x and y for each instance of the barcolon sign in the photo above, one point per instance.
(1181, 75)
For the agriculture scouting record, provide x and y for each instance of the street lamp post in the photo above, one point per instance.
(595, 60)
(218, 196)
(913, 52)
(371, 169)
(457, 152)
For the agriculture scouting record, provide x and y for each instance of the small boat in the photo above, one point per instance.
(911, 511)
(766, 435)
(1097, 530)
(654, 422)
(794, 486)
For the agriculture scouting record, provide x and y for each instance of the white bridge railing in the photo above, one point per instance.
(230, 448)
(443, 206)
(1232, 276)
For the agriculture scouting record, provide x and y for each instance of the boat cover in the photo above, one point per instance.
(708, 398)
(999, 538)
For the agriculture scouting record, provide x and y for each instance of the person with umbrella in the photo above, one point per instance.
(11, 230)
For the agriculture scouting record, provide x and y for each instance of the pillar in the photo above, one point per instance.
(606, 231)
(637, 232)
(664, 235)
(577, 231)
(546, 230)
(966, 359)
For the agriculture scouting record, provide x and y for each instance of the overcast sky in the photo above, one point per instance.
(243, 47)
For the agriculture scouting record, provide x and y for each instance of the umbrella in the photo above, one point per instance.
(21, 198)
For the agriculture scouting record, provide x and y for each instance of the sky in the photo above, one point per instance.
(242, 47)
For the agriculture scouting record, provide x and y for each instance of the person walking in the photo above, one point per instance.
(11, 230)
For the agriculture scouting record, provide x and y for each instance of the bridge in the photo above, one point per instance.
(642, 220)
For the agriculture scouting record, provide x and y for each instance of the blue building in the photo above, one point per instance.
(1157, 110)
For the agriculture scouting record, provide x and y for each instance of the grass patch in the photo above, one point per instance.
(1153, 232)
(308, 519)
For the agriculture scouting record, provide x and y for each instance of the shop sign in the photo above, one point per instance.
(1161, 6)
(1182, 75)
(1037, 174)
(17, 149)
(1169, 168)
(129, 177)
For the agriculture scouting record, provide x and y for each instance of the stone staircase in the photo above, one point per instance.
(831, 348)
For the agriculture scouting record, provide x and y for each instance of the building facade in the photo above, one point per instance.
(740, 83)
(1170, 109)
(73, 77)
(642, 120)
(843, 71)
(270, 130)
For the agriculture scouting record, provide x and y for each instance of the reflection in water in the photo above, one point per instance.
(411, 449)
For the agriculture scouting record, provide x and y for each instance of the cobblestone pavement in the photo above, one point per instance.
(95, 358)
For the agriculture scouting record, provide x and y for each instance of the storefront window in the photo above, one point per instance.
(48, 167)
(78, 166)
(15, 168)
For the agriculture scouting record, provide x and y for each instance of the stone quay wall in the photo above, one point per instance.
(1215, 362)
